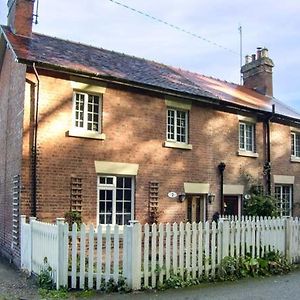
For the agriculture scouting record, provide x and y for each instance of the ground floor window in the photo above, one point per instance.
(115, 199)
(284, 196)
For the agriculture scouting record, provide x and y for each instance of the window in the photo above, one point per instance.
(115, 199)
(284, 196)
(247, 137)
(295, 143)
(87, 112)
(177, 125)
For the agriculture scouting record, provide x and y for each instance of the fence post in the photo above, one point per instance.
(22, 242)
(133, 256)
(288, 238)
(225, 236)
(61, 273)
(31, 220)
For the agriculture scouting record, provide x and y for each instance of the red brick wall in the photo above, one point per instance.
(134, 124)
(12, 82)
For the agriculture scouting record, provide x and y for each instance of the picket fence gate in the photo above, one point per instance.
(147, 255)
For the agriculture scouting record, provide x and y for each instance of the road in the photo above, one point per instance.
(14, 285)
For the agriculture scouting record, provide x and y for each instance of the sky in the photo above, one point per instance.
(269, 23)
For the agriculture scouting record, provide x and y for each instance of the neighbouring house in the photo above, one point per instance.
(118, 138)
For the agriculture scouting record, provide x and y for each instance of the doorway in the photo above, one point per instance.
(196, 208)
(231, 205)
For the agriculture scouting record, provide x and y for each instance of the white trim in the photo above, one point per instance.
(196, 188)
(87, 85)
(284, 179)
(295, 159)
(169, 144)
(182, 104)
(233, 189)
(253, 129)
(76, 132)
(247, 119)
(116, 168)
(186, 133)
(247, 153)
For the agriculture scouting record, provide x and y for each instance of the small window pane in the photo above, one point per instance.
(127, 195)
(102, 207)
(119, 219)
(120, 182)
(127, 218)
(109, 195)
(119, 207)
(119, 194)
(127, 182)
(109, 180)
(109, 207)
(127, 207)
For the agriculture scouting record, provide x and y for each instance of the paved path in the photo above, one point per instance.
(15, 285)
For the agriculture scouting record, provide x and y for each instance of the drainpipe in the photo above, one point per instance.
(221, 168)
(34, 146)
(267, 164)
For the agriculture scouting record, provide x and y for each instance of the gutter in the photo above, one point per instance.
(267, 164)
(34, 145)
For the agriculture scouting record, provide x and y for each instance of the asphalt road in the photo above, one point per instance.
(15, 285)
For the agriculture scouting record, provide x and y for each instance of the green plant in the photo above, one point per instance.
(260, 205)
(44, 279)
(73, 217)
(54, 294)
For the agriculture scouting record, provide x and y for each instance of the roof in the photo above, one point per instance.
(80, 58)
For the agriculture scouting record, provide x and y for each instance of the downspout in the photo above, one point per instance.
(221, 168)
(34, 146)
(267, 164)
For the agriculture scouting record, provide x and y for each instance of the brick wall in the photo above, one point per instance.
(134, 124)
(12, 82)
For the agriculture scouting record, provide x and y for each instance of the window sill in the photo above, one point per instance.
(247, 153)
(295, 159)
(183, 146)
(86, 134)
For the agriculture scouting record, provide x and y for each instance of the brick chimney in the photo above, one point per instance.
(20, 16)
(257, 72)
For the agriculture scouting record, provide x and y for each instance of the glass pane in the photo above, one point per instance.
(102, 207)
(119, 194)
(101, 219)
(109, 180)
(120, 182)
(127, 182)
(127, 218)
(119, 220)
(119, 207)
(102, 195)
(109, 207)
(127, 195)
(109, 195)
(108, 219)
(127, 207)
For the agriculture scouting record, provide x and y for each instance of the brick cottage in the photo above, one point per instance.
(117, 137)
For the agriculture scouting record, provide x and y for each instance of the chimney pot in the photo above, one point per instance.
(258, 53)
(253, 57)
(247, 59)
(264, 52)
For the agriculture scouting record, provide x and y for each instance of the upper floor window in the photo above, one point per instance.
(87, 112)
(247, 137)
(177, 125)
(295, 143)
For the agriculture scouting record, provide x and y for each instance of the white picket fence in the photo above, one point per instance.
(147, 255)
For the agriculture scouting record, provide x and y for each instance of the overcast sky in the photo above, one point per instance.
(269, 23)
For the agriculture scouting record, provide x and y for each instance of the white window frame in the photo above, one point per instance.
(85, 112)
(245, 124)
(280, 198)
(113, 187)
(176, 110)
(295, 152)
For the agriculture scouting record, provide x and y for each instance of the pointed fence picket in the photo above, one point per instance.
(148, 255)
